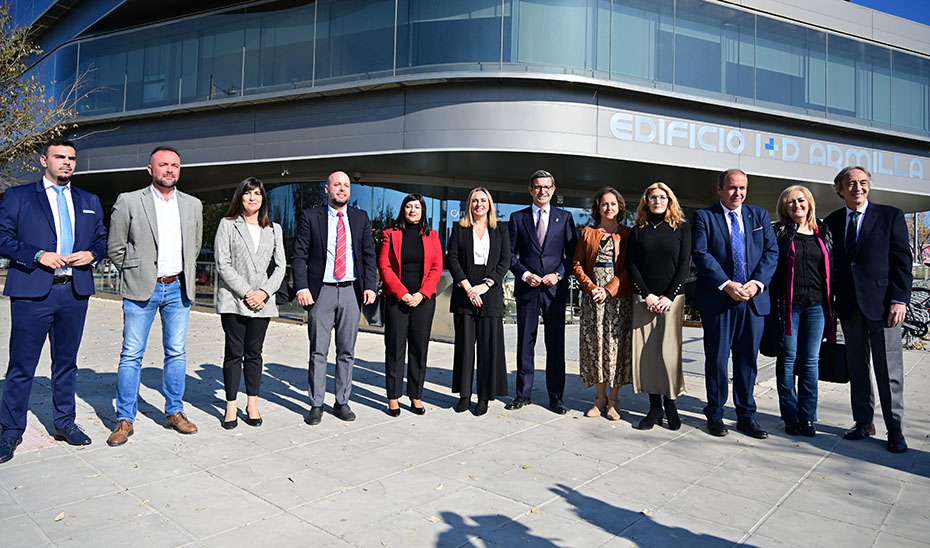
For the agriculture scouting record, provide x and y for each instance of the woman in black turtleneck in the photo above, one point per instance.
(658, 259)
(410, 264)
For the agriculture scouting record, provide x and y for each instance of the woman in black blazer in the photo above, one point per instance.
(478, 257)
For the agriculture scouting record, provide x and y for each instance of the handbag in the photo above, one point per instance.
(771, 342)
(285, 292)
(374, 312)
(833, 366)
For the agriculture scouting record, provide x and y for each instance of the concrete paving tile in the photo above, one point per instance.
(676, 467)
(282, 531)
(253, 470)
(8, 506)
(280, 438)
(91, 515)
(566, 466)
(42, 484)
(910, 522)
(151, 531)
(207, 454)
(664, 528)
(649, 489)
(473, 505)
(410, 528)
(22, 532)
(771, 464)
(343, 513)
(358, 469)
(823, 501)
(914, 496)
(609, 511)
(833, 476)
(482, 462)
(758, 541)
(762, 488)
(298, 488)
(546, 529)
(816, 531)
(138, 463)
(524, 486)
(204, 504)
(21, 458)
(414, 486)
(321, 452)
(721, 508)
(887, 539)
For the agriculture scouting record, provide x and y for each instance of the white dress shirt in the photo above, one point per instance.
(332, 226)
(168, 219)
(255, 232)
(52, 195)
(482, 246)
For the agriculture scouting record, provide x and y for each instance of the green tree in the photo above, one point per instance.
(28, 116)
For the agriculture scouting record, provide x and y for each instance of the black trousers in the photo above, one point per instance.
(482, 338)
(244, 340)
(406, 331)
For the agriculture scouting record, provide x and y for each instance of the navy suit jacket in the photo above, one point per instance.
(309, 259)
(713, 256)
(27, 226)
(879, 269)
(554, 255)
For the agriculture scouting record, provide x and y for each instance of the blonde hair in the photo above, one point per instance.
(468, 219)
(673, 214)
(781, 208)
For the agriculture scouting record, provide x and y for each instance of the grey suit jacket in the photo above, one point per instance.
(242, 268)
(133, 243)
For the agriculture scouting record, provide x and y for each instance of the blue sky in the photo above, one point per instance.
(916, 10)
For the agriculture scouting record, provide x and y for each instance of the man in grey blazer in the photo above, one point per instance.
(155, 237)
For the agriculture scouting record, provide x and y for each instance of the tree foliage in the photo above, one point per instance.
(28, 116)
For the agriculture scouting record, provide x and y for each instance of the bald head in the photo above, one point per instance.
(338, 189)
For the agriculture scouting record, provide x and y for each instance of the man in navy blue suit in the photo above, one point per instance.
(872, 282)
(734, 250)
(53, 233)
(543, 239)
(335, 273)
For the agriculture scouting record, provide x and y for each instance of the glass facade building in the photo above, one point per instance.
(691, 47)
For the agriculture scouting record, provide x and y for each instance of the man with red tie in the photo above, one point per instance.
(335, 272)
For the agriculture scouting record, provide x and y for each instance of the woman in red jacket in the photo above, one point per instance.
(410, 263)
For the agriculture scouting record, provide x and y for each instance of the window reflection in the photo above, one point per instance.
(858, 80)
(714, 48)
(354, 38)
(911, 92)
(441, 33)
(791, 65)
(643, 35)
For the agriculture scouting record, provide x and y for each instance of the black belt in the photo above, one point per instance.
(338, 284)
(58, 280)
(604, 265)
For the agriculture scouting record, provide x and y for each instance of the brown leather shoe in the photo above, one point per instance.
(180, 423)
(120, 434)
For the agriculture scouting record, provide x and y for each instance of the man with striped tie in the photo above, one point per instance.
(53, 233)
(335, 273)
(734, 250)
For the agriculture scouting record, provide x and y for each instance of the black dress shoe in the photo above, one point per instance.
(481, 408)
(462, 405)
(558, 407)
(7, 447)
(859, 431)
(751, 428)
(229, 425)
(314, 416)
(652, 418)
(343, 412)
(716, 427)
(393, 412)
(73, 435)
(807, 429)
(896, 443)
(792, 429)
(418, 410)
(518, 402)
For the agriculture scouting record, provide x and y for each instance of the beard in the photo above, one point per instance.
(62, 178)
(163, 183)
(338, 203)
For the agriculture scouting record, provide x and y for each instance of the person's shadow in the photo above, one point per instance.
(463, 534)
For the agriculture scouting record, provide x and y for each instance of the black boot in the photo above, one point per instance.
(655, 413)
(671, 413)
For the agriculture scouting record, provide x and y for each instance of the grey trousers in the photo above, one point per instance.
(335, 307)
(865, 337)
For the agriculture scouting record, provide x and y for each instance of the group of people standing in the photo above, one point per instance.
(632, 282)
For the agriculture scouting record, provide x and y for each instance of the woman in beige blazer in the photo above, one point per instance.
(247, 248)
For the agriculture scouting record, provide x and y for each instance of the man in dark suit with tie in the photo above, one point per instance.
(872, 283)
(542, 239)
(53, 233)
(335, 273)
(734, 250)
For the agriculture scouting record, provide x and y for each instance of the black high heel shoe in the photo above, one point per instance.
(671, 413)
(229, 425)
(418, 410)
(393, 412)
(252, 422)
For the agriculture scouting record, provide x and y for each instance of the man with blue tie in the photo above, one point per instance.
(734, 250)
(53, 233)
(335, 272)
(542, 240)
(873, 281)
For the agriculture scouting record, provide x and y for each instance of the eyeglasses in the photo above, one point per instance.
(657, 198)
(543, 188)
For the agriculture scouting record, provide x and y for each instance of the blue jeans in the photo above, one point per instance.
(800, 357)
(171, 301)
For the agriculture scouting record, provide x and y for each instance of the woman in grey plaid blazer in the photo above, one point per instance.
(250, 261)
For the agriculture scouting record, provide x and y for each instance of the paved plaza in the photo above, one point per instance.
(510, 478)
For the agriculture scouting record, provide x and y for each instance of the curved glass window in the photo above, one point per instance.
(642, 44)
(354, 39)
(858, 80)
(791, 66)
(910, 88)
